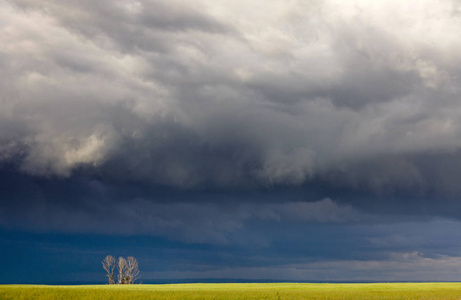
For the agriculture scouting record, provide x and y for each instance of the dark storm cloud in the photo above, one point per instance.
(81, 205)
(174, 94)
(220, 217)
(233, 123)
(301, 94)
(301, 140)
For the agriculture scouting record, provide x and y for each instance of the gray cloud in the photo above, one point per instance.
(228, 95)
(293, 128)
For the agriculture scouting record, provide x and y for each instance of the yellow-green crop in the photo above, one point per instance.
(237, 291)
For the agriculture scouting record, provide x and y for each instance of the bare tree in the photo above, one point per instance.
(128, 269)
(109, 265)
(132, 272)
(122, 269)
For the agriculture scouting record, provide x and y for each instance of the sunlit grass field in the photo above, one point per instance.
(237, 291)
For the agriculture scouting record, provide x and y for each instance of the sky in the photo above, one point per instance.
(275, 140)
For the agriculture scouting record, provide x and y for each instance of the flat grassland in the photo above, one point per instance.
(237, 291)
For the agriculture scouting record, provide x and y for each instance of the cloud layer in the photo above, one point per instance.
(234, 94)
(236, 124)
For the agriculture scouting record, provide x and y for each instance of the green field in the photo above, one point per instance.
(237, 291)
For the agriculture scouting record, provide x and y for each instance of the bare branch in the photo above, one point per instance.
(133, 273)
(109, 265)
(122, 269)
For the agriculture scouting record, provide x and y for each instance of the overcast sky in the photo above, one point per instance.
(278, 140)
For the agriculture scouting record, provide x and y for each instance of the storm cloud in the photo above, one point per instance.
(231, 95)
(228, 123)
